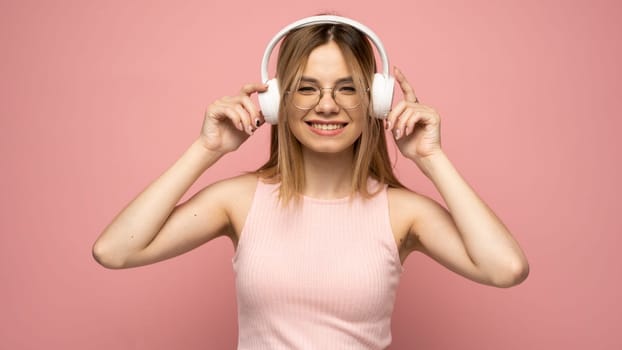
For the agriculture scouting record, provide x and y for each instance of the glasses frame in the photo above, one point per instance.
(332, 95)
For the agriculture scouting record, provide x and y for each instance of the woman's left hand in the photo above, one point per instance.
(415, 126)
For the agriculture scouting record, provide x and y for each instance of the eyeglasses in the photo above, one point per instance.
(308, 95)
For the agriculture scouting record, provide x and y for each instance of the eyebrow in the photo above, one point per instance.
(313, 80)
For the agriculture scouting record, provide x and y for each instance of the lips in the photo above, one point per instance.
(325, 125)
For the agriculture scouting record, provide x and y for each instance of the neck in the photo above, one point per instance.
(328, 176)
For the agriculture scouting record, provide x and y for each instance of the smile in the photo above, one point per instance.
(326, 129)
(326, 126)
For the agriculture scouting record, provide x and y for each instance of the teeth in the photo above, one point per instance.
(327, 126)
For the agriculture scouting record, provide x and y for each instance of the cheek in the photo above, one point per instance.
(294, 117)
(362, 122)
(359, 117)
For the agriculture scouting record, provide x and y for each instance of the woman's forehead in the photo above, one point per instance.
(326, 64)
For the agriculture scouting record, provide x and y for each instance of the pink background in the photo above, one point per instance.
(99, 98)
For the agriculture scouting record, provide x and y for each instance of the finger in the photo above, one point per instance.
(412, 122)
(252, 110)
(260, 120)
(218, 111)
(245, 118)
(230, 112)
(248, 89)
(409, 93)
(428, 118)
(400, 128)
(395, 112)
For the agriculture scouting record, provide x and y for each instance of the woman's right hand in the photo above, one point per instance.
(230, 120)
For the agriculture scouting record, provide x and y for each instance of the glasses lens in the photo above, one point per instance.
(307, 96)
(346, 96)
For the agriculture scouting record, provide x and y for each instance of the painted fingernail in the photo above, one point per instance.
(257, 122)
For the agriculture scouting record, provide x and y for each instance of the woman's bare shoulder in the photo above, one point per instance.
(234, 187)
(407, 210)
(406, 194)
(240, 180)
(401, 194)
(405, 203)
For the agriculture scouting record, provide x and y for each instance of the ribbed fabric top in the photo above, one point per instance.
(320, 276)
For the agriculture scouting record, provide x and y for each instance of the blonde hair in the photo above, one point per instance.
(371, 158)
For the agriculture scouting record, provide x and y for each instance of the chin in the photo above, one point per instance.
(328, 146)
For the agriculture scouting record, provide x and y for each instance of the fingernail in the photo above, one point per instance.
(397, 134)
(257, 122)
(388, 125)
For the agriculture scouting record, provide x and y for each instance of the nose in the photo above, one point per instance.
(327, 103)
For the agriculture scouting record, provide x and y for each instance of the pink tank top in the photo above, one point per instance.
(323, 276)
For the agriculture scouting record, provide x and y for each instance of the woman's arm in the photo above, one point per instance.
(469, 229)
(487, 241)
(151, 228)
(136, 226)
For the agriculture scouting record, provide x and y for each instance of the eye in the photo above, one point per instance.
(307, 90)
(347, 89)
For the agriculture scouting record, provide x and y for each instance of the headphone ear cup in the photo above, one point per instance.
(269, 101)
(382, 95)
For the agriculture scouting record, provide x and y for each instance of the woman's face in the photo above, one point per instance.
(327, 127)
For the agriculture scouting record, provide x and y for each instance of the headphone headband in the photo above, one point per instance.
(318, 20)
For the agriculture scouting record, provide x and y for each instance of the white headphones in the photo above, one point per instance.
(382, 86)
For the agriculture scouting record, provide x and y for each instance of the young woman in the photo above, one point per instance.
(321, 231)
